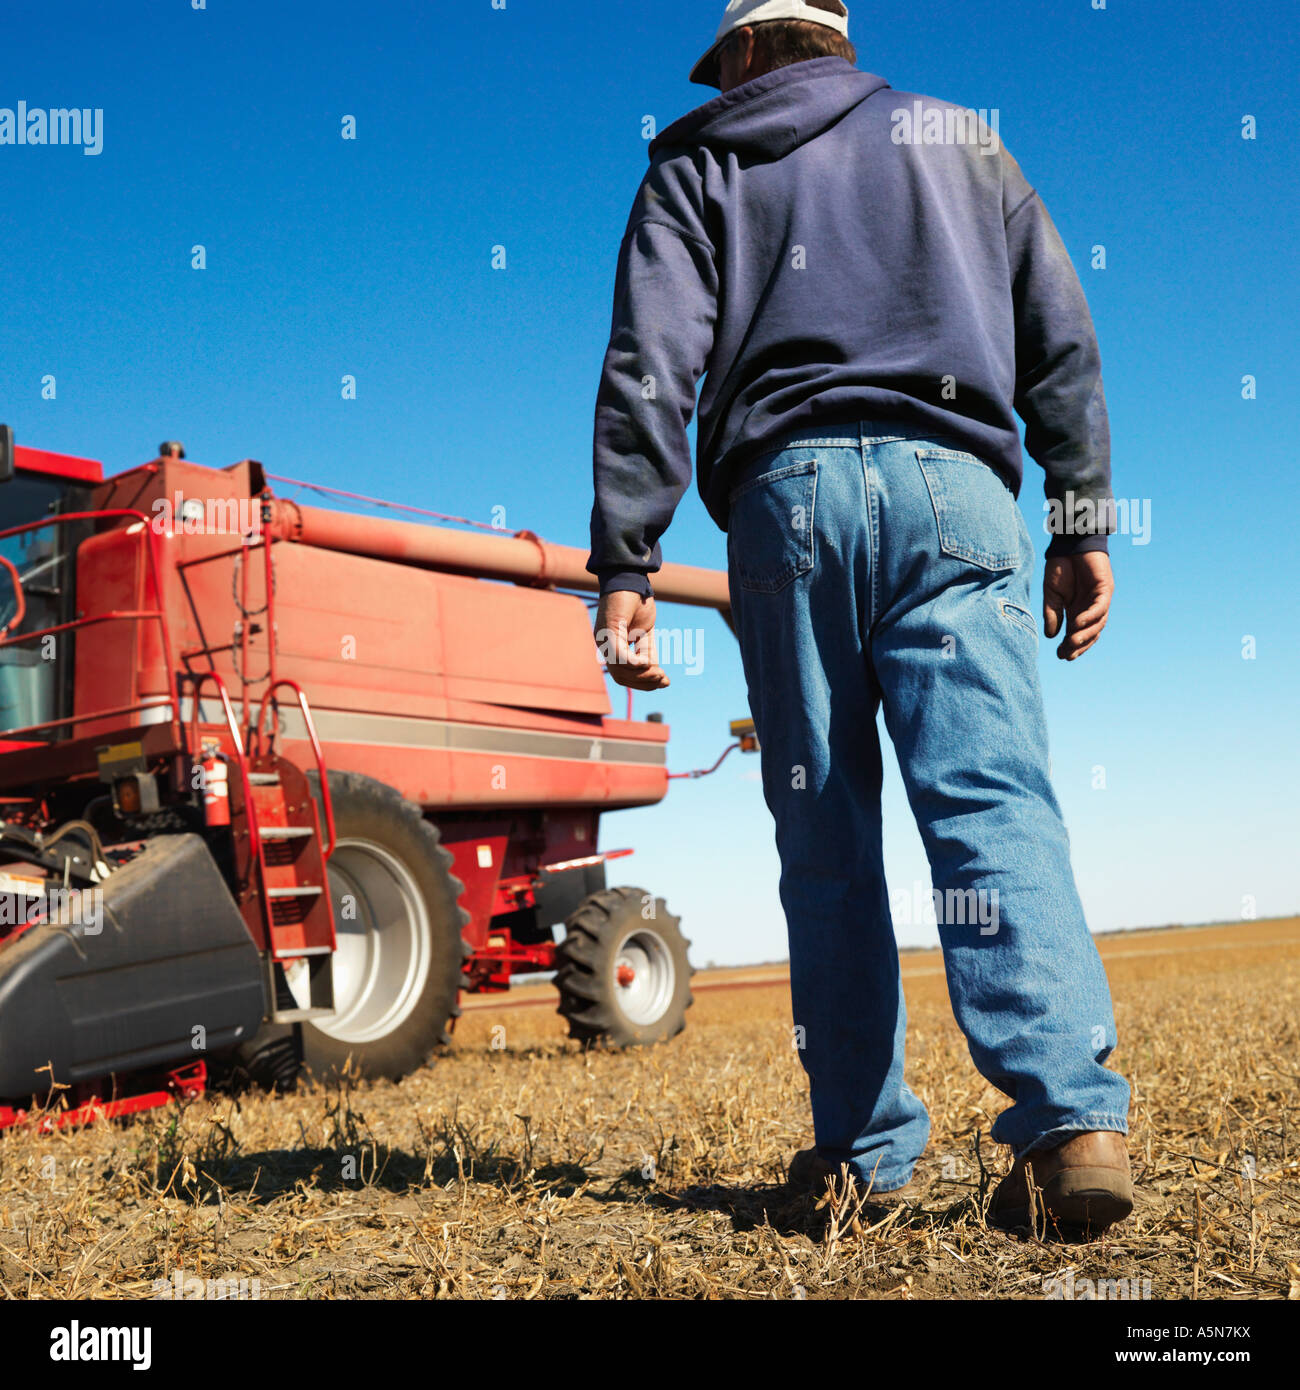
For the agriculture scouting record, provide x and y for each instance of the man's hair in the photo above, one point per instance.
(780, 42)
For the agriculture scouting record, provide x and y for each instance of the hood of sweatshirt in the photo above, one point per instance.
(775, 113)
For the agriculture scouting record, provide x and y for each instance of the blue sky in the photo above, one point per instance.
(523, 127)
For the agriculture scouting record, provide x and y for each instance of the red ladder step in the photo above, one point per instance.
(295, 889)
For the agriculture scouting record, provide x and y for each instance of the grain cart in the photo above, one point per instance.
(278, 782)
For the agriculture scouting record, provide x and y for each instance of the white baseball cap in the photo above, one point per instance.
(741, 12)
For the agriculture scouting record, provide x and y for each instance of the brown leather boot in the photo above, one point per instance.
(1081, 1185)
(810, 1172)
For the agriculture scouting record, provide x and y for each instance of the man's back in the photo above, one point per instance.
(827, 248)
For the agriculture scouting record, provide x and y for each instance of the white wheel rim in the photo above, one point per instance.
(384, 945)
(645, 977)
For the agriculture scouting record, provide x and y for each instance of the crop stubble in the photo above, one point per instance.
(518, 1166)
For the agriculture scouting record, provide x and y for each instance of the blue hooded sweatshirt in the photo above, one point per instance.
(829, 250)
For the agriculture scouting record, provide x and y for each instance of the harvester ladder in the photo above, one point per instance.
(285, 853)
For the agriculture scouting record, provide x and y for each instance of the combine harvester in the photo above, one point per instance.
(278, 782)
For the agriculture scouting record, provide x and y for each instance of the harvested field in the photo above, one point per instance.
(520, 1167)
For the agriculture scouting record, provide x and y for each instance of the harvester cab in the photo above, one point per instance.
(35, 587)
(278, 785)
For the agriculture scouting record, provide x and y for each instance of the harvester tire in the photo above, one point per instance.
(624, 976)
(399, 923)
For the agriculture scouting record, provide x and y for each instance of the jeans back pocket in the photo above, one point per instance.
(770, 527)
(973, 508)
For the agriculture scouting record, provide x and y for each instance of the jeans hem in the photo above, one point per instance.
(882, 1186)
(1082, 1124)
(882, 1182)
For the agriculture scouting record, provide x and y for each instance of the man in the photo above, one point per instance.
(873, 289)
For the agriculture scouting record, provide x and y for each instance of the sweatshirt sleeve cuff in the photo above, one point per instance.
(611, 581)
(1078, 545)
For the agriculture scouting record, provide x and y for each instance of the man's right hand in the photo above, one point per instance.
(625, 636)
(1078, 588)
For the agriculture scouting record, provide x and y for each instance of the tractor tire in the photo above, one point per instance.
(624, 977)
(397, 969)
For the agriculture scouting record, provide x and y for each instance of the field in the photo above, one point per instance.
(519, 1166)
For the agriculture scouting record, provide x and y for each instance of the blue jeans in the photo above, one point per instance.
(870, 566)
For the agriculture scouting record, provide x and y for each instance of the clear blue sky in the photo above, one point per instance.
(523, 127)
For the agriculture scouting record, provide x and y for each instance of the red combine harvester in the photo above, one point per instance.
(278, 782)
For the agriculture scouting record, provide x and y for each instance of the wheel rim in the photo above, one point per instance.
(384, 945)
(644, 977)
